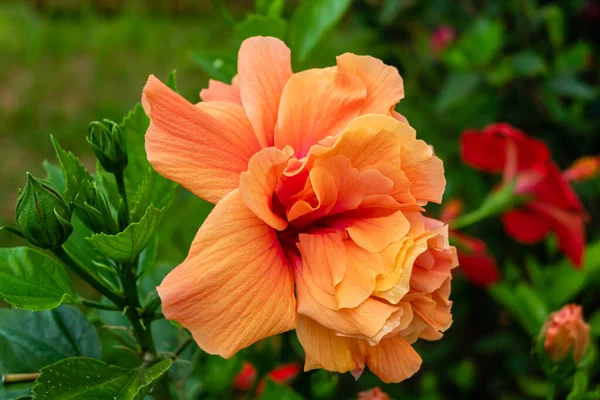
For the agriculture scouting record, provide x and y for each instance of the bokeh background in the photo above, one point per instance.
(465, 64)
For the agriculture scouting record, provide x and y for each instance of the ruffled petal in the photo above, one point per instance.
(204, 148)
(219, 91)
(324, 349)
(264, 67)
(236, 285)
(383, 82)
(393, 359)
(315, 104)
(258, 184)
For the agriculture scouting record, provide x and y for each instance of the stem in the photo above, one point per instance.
(101, 306)
(121, 186)
(151, 307)
(61, 254)
(142, 333)
(182, 346)
(552, 389)
(16, 378)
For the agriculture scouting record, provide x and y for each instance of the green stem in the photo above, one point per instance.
(101, 306)
(141, 332)
(62, 255)
(182, 346)
(121, 186)
(151, 307)
(552, 389)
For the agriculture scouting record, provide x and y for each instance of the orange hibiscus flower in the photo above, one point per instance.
(319, 189)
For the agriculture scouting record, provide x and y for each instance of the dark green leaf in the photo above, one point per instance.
(568, 85)
(260, 25)
(270, 8)
(528, 63)
(86, 378)
(217, 67)
(125, 246)
(575, 58)
(33, 281)
(311, 20)
(457, 88)
(30, 341)
(482, 42)
(15, 391)
(74, 173)
(218, 373)
(276, 391)
(554, 24)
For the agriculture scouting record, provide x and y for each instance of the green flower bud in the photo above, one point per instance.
(42, 215)
(93, 209)
(106, 139)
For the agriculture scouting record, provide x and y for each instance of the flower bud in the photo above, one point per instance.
(245, 379)
(565, 331)
(583, 168)
(374, 394)
(42, 215)
(106, 139)
(92, 208)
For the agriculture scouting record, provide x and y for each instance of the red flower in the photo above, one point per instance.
(477, 265)
(441, 37)
(283, 374)
(245, 378)
(554, 206)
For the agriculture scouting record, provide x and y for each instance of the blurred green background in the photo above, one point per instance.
(466, 63)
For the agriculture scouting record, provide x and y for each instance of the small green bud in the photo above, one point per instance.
(42, 215)
(93, 209)
(106, 139)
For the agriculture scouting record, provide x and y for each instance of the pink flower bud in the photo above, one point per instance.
(373, 394)
(565, 330)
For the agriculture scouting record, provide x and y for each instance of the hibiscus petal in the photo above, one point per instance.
(264, 67)
(324, 259)
(525, 226)
(371, 228)
(324, 349)
(258, 184)
(393, 359)
(315, 104)
(236, 286)
(219, 91)
(424, 171)
(383, 82)
(203, 148)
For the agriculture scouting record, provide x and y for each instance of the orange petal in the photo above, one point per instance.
(373, 229)
(264, 67)
(236, 286)
(424, 170)
(361, 275)
(219, 91)
(315, 104)
(203, 148)
(258, 184)
(366, 320)
(393, 359)
(324, 349)
(324, 259)
(383, 82)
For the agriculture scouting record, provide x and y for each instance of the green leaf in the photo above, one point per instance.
(270, 8)
(125, 246)
(30, 341)
(276, 391)
(218, 373)
(529, 63)
(150, 192)
(555, 24)
(311, 20)
(501, 73)
(31, 280)
(575, 58)
(54, 174)
(457, 88)
(74, 173)
(567, 84)
(482, 42)
(15, 391)
(172, 81)
(86, 378)
(218, 67)
(260, 25)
